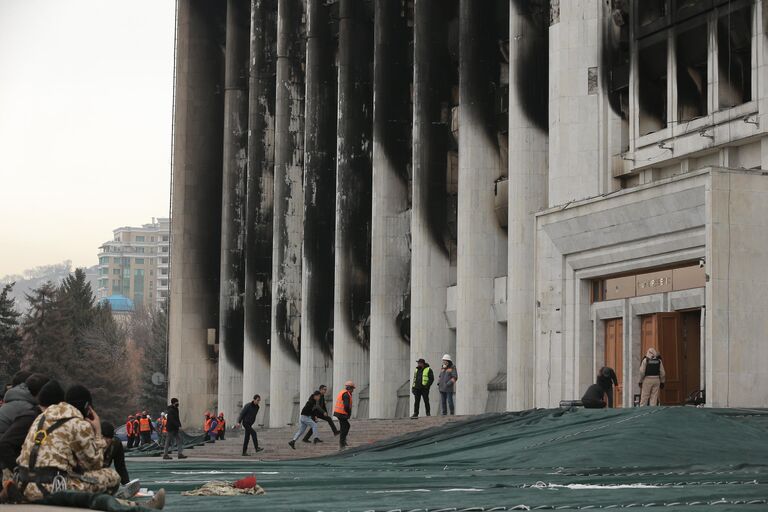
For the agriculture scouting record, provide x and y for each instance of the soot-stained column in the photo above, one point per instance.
(528, 122)
(319, 201)
(234, 172)
(353, 197)
(480, 339)
(574, 108)
(196, 217)
(261, 168)
(431, 337)
(288, 213)
(390, 222)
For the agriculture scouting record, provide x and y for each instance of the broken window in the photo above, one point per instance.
(652, 93)
(734, 56)
(691, 57)
(651, 15)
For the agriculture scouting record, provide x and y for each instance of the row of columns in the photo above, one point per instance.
(334, 149)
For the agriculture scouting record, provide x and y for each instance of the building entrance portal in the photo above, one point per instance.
(676, 336)
(614, 355)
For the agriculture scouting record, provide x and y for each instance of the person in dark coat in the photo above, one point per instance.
(247, 418)
(326, 417)
(310, 410)
(10, 442)
(606, 378)
(113, 452)
(423, 378)
(173, 428)
(20, 399)
(594, 397)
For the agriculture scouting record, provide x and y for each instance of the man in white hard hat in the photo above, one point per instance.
(343, 410)
(446, 383)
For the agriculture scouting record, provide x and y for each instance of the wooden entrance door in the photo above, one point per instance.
(614, 355)
(662, 331)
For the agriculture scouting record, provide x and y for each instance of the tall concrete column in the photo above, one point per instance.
(261, 163)
(319, 202)
(288, 214)
(480, 339)
(528, 79)
(196, 214)
(390, 222)
(431, 337)
(574, 105)
(235, 172)
(353, 197)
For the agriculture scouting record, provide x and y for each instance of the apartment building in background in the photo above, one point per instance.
(135, 264)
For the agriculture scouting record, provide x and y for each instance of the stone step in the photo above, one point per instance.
(275, 440)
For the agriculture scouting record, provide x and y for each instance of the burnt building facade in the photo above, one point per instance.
(538, 188)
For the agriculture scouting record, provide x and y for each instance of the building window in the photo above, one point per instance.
(139, 238)
(672, 48)
(117, 260)
(163, 271)
(734, 56)
(104, 260)
(652, 86)
(139, 261)
(691, 53)
(163, 282)
(151, 272)
(151, 239)
(165, 238)
(164, 260)
(116, 271)
(140, 250)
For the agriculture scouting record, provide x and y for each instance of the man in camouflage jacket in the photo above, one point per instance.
(74, 450)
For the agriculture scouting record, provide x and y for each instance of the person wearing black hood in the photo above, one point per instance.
(423, 378)
(10, 442)
(606, 379)
(173, 426)
(114, 452)
(17, 400)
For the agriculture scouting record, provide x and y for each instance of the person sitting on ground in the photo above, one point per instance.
(64, 450)
(213, 424)
(594, 397)
(113, 452)
(10, 442)
(17, 400)
(310, 410)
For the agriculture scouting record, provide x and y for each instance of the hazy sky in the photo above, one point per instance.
(86, 90)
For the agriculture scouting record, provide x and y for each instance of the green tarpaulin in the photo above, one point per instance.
(676, 458)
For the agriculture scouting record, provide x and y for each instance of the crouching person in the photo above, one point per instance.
(64, 450)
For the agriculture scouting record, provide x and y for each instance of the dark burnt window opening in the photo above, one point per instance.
(734, 56)
(652, 86)
(691, 52)
(651, 15)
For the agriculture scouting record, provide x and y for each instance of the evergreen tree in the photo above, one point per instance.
(10, 340)
(101, 356)
(77, 297)
(154, 377)
(47, 335)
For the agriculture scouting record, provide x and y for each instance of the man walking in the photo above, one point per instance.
(247, 418)
(173, 426)
(322, 407)
(343, 410)
(423, 378)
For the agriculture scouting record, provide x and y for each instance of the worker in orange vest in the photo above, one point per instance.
(145, 428)
(343, 410)
(209, 426)
(221, 427)
(129, 431)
